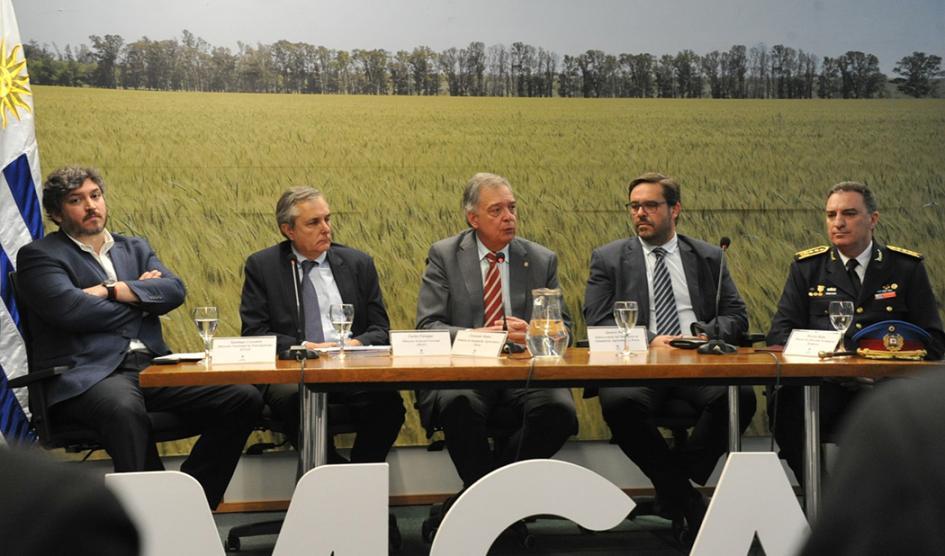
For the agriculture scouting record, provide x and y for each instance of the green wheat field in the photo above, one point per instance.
(198, 174)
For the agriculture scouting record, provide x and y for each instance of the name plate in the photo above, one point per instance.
(608, 339)
(479, 344)
(809, 343)
(420, 342)
(246, 349)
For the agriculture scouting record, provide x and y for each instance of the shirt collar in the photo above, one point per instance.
(863, 259)
(670, 246)
(106, 247)
(483, 250)
(320, 259)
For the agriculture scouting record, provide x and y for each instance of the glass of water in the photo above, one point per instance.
(206, 320)
(341, 315)
(841, 316)
(625, 313)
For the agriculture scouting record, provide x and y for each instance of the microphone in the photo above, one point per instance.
(510, 347)
(718, 346)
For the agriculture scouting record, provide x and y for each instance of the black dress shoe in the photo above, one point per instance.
(694, 512)
(395, 541)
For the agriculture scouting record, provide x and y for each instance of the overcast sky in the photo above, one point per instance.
(886, 28)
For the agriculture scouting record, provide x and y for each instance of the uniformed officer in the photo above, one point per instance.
(882, 281)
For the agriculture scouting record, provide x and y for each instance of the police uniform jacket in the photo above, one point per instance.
(895, 286)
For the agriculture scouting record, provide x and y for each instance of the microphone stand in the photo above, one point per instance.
(313, 406)
(718, 346)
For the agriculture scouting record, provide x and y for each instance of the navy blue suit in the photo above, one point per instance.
(91, 336)
(268, 307)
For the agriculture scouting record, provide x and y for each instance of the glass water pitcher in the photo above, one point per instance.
(547, 335)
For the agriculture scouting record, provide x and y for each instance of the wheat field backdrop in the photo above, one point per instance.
(198, 174)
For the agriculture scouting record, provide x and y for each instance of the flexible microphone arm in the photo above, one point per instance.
(299, 335)
(717, 345)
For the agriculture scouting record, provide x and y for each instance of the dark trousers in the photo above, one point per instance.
(789, 427)
(629, 413)
(378, 416)
(463, 415)
(117, 407)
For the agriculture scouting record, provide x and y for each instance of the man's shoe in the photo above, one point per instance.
(694, 512)
(395, 541)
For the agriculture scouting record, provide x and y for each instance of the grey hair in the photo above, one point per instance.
(477, 182)
(858, 187)
(286, 210)
(62, 181)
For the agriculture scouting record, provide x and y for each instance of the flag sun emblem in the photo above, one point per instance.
(13, 86)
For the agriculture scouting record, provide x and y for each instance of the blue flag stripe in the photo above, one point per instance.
(20, 180)
(6, 288)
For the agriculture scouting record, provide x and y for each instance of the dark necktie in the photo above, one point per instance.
(492, 292)
(313, 315)
(854, 277)
(667, 317)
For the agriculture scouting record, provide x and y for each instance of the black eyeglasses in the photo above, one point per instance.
(648, 207)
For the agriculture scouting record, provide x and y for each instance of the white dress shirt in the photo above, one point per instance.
(863, 260)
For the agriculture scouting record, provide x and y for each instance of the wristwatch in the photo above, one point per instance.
(110, 287)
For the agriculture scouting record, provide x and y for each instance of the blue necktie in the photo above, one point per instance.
(667, 317)
(313, 315)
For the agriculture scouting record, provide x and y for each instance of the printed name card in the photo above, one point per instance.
(609, 339)
(248, 349)
(420, 342)
(809, 343)
(479, 344)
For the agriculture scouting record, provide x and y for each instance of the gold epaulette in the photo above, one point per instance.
(913, 254)
(807, 253)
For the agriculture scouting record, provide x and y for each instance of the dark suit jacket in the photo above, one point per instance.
(618, 272)
(50, 510)
(90, 335)
(816, 280)
(267, 305)
(451, 290)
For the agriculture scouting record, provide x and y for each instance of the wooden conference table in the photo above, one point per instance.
(577, 368)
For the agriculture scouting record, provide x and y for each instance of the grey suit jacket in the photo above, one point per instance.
(451, 288)
(618, 272)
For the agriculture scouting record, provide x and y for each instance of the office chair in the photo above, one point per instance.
(73, 437)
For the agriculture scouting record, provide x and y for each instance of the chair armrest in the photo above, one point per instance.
(35, 376)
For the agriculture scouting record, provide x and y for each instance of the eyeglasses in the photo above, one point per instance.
(648, 207)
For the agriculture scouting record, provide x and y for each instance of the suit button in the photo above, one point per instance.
(859, 309)
(889, 308)
(858, 325)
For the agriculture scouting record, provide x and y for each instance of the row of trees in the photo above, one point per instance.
(519, 70)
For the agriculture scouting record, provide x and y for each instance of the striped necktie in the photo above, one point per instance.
(667, 317)
(492, 292)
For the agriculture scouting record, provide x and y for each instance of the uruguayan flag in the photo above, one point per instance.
(21, 219)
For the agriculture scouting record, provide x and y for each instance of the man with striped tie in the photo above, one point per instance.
(482, 278)
(674, 279)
